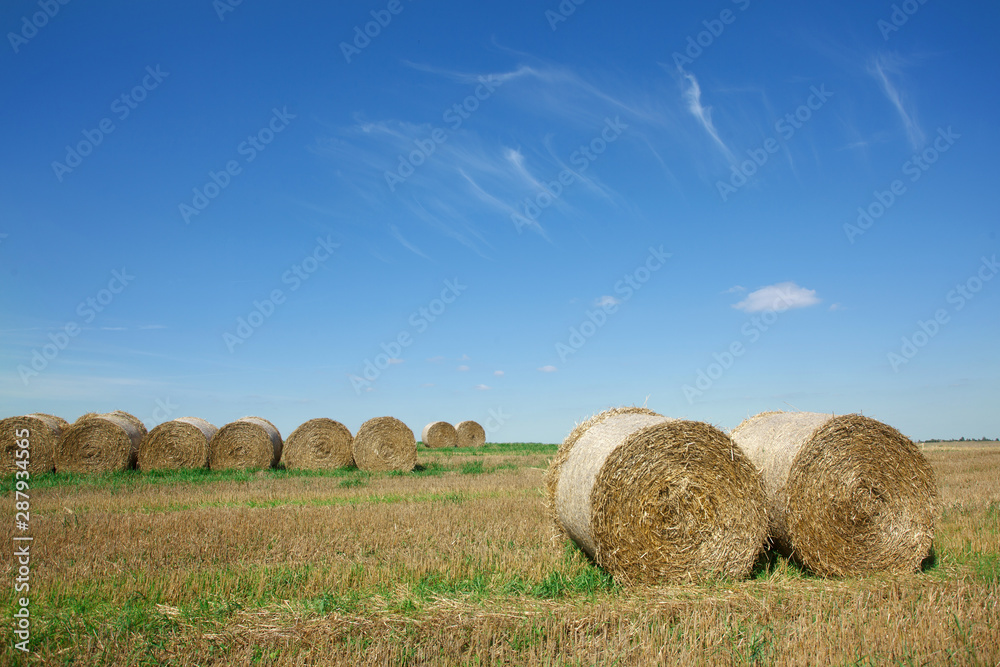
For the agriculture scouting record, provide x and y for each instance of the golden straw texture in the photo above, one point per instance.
(249, 443)
(177, 444)
(319, 444)
(847, 495)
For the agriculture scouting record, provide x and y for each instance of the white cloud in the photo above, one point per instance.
(394, 230)
(482, 387)
(735, 289)
(395, 360)
(606, 301)
(498, 373)
(836, 306)
(463, 368)
(548, 369)
(780, 296)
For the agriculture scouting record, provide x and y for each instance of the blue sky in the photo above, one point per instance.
(518, 213)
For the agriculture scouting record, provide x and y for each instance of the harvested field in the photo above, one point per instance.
(458, 564)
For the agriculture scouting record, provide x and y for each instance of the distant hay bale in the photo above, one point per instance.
(100, 443)
(385, 444)
(439, 434)
(43, 435)
(847, 495)
(653, 499)
(319, 444)
(470, 434)
(178, 444)
(249, 443)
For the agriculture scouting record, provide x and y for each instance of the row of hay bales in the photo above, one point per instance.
(654, 499)
(119, 441)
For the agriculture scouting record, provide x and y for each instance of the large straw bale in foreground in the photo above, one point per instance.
(847, 495)
(249, 443)
(319, 444)
(439, 434)
(100, 443)
(653, 499)
(42, 433)
(178, 444)
(384, 444)
(470, 434)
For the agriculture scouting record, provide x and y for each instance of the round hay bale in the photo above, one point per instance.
(44, 433)
(439, 434)
(319, 444)
(847, 495)
(653, 499)
(174, 445)
(384, 444)
(100, 443)
(470, 434)
(249, 443)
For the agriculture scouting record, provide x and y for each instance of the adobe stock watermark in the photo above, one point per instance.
(381, 18)
(87, 310)
(958, 297)
(223, 7)
(295, 277)
(562, 12)
(899, 16)
(37, 21)
(915, 167)
(606, 306)
(454, 116)
(121, 107)
(495, 420)
(581, 158)
(163, 411)
(786, 128)
(419, 321)
(705, 378)
(22, 543)
(249, 148)
(696, 44)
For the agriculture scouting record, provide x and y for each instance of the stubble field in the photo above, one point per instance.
(456, 563)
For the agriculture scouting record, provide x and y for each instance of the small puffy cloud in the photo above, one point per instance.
(836, 306)
(499, 374)
(482, 387)
(779, 297)
(735, 289)
(463, 368)
(606, 301)
(548, 369)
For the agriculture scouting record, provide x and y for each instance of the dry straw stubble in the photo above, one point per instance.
(319, 444)
(100, 443)
(177, 444)
(249, 443)
(385, 444)
(848, 495)
(470, 434)
(653, 499)
(439, 434)
(41, 431)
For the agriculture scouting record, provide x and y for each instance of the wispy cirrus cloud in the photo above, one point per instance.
(703, 114)
(881, 68)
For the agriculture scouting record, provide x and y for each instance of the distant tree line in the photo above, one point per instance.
(983, 439)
